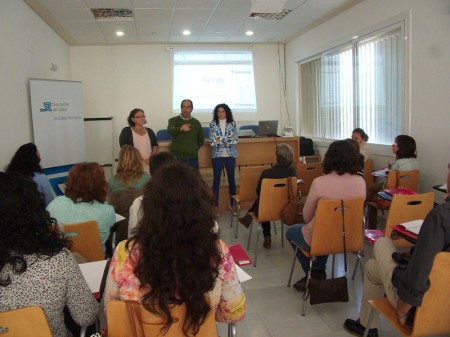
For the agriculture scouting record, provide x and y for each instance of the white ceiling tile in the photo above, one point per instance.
(153, 14)
(153, 3)
(68, 4)
(108, 3)
(197, 3)
(192, 14)
(158, 26)
(72, 14)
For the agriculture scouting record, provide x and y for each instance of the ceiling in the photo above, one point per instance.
(162, 21)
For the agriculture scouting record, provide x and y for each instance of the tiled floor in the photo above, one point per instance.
(273, 309)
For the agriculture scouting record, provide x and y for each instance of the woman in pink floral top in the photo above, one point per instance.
(176, 256)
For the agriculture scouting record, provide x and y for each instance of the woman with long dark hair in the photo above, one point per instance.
(223, 138)
(341, 164)
(36, 267)
(27, 160)
(176, 256)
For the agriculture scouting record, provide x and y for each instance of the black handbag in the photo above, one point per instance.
(331, 290)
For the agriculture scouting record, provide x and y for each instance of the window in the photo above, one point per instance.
(357, 85)
(212, 77)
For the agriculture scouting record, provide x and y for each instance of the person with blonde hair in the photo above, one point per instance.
(130, 170)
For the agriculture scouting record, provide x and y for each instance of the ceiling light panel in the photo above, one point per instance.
(112, 13)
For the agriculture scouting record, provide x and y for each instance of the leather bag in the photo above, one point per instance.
(292, 212)
(331, 290)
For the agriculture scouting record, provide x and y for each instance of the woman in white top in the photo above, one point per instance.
(137, 135)
(361, 137)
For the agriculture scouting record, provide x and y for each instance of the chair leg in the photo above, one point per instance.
(369, 323)
(292, 267)
(232, 330)
(237, 227)
(306, 293)
(249, 235)
(356, 267)
(257, 244)
(274, 227)
(332, 266)
(282, 234)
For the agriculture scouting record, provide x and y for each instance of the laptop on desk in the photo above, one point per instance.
(267, 128)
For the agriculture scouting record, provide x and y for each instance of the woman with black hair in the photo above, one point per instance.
(404, 148)
(36, 267)
(26, 160)
(341, 181)
(176, 256)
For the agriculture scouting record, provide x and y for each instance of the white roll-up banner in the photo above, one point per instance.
(58, 121)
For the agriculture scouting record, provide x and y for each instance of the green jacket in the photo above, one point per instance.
(185, 145)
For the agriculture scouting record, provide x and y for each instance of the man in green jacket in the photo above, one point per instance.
(187, 135)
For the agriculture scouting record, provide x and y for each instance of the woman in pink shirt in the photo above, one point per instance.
(341, 181)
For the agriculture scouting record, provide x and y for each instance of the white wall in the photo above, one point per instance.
(120, 78)
(428, 71)
(27, 47)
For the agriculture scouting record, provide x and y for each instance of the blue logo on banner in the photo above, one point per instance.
(47, 107)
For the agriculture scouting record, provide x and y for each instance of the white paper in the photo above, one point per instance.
(413, 226)
(444, 187)
(93, 273)
(381, 173)
(119, 217)
(242, 275)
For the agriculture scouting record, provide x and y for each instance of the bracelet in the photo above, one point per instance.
(402, 317)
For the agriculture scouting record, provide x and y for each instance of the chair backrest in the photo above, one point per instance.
(122, 200)
(407, 208)
(119, 324)
(403, 179)
(248, 181)
(308, 172)
(430, 316)
(327, 231)
(86, 240)
(368, 169)
(24, 322)
(273, 196)
(254, 128)
(163, 135)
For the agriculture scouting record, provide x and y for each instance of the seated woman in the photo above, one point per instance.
(26, 160)
(36, 267)
(404, 148)
(175, 255)
(341, 181)
(84, 199)
(282, 169)
(361, 138)
(130, 170)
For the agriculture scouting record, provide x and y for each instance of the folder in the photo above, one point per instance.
(239, 255)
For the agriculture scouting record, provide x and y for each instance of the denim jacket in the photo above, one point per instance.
(219, 141)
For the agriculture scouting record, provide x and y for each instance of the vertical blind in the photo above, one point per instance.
(357, 85)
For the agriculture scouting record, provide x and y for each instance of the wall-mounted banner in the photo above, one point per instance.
(58, 123)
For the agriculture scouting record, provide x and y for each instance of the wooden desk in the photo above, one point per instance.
(251, 151)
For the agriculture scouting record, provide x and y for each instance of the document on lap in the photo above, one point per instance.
(119, 217)
(242, 275)
(93, 273)
(413, 226)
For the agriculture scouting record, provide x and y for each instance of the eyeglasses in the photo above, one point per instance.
(143, 116)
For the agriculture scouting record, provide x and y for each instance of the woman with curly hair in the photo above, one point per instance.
(176, 256)
(84, 199)
(26, 160)
(130, 170)
(341, 181)
(36, 267)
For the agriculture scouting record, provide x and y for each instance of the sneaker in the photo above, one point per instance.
(355, 328)
(316, 274)
(267, 242)
(246, 220)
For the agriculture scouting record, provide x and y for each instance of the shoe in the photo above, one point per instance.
(246, 220)
(267, 242)
(355, 328)
(316, 274)
(234, 209)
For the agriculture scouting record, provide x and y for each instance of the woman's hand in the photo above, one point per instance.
(403, 309)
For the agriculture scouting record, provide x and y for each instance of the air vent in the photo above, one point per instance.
(270, 16)
(112, 13)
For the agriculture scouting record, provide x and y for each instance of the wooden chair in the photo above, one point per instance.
(403, 208)
(400, 179)
(24, 322)
(148, 324)
(272, 198)
(431, 317)
(86, 240)
(327, 234)
(308, 172)
(248, 181)
(368, 169)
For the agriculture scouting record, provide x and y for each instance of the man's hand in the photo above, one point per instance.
(185, 127)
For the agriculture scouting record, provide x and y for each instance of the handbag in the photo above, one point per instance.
(331, 290)
(292, 212)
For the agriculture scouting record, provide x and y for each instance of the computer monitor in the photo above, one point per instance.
(267, 128)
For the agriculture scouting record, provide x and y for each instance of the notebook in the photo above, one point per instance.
(240, 257)
(413, 226)
(267, 128)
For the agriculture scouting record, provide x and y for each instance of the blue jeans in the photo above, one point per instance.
(294, 234)
(218, 164)
(191, 162)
